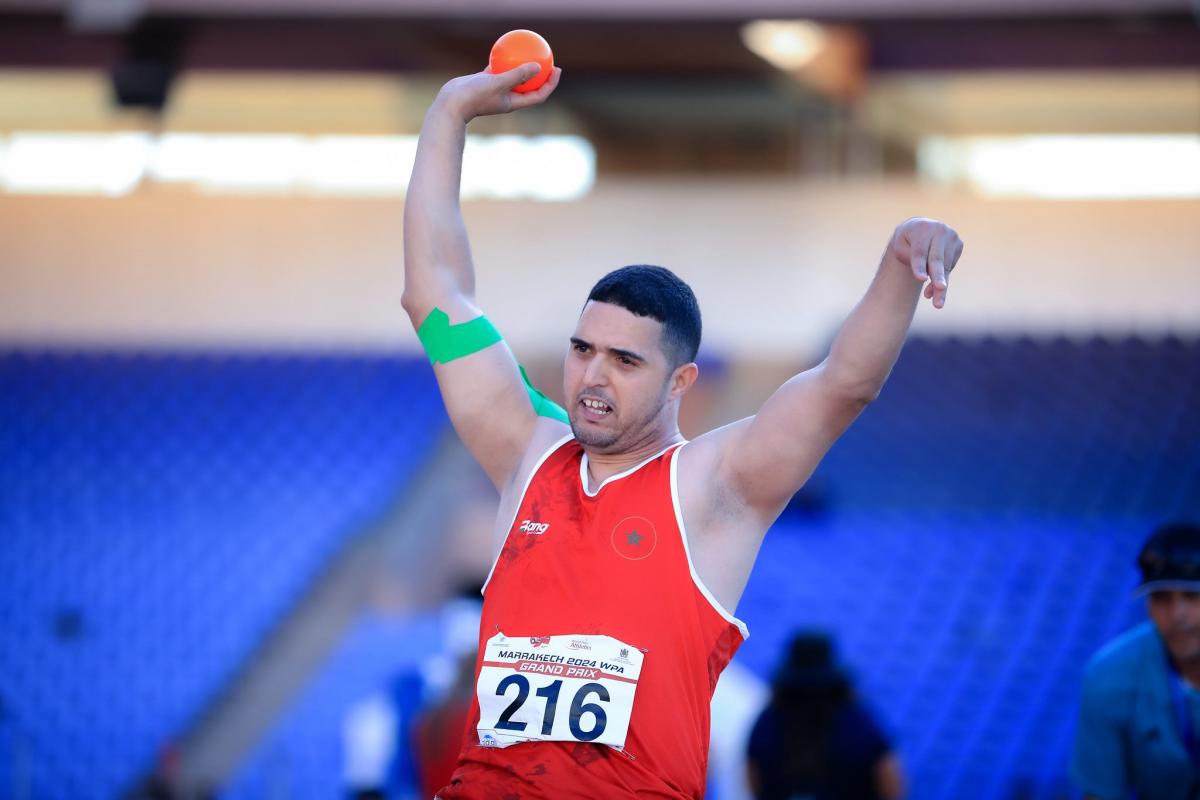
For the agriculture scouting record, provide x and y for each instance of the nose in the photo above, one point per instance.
(1176, 610)
(596, 373)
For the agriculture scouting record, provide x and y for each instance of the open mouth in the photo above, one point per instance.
(594, 409)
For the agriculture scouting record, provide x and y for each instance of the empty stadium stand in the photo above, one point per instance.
(970, 547)
(159, 513)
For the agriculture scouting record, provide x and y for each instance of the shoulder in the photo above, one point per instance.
(547, 433)
(862, 729)
(763, 732)
(857, 715)
(1118, 667)
(550, 437)
(708, 449)
(704, 464)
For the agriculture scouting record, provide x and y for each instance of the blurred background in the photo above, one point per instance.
(237, 535)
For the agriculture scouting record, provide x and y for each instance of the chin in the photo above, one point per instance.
(1186, 653)
(597, 440)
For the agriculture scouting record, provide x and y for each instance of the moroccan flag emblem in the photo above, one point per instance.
(634, 538)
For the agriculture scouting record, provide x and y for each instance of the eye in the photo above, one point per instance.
(626, 360)
(579, 347)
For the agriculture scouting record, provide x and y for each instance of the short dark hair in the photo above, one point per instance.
(658, 293)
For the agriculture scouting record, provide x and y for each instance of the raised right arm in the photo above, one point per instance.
(485, 395)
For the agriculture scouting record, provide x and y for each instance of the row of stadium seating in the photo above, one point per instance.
(1093, 427)
(159, 513)
(969, 542)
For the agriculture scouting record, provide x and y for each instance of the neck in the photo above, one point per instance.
(602, 466)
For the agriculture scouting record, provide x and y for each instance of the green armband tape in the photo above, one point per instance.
(543, 406)
(444, 342)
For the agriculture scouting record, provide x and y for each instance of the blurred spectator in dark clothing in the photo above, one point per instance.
(814, 741)
(438, 731)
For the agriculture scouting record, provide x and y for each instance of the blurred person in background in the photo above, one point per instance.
(618, 543)
(1139, 722)
(164, 782)
(370, 736)
(395, 740)
(435, 735)
(438, 730)
(739, 698)
(814, 740)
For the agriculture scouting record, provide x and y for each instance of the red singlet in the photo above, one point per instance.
(610, 564)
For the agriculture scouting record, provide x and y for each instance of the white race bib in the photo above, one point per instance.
(570, 688)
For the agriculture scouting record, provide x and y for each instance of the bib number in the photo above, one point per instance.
(557, 688)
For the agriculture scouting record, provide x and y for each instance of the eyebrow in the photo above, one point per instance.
(616, 351)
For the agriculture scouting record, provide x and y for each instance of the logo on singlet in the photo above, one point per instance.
(634, 538)
(535, 528)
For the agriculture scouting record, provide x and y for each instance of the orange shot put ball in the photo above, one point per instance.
(520, 47)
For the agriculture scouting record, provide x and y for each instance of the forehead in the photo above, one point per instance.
(605, 325)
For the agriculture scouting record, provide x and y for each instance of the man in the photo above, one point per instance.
(1140, 716)
(620, 552)
(815, 739)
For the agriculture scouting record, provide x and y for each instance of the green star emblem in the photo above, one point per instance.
(633, 539)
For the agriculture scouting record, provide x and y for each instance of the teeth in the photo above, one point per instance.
(596, 405)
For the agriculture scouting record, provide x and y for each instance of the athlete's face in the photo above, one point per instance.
(1177, 616)
(619, 386)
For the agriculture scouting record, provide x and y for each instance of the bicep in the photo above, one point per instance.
(768, 457)
(486, 399)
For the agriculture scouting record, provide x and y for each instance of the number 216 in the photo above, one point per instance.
(550, 693)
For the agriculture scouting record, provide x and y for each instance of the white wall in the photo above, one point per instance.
(775, 264)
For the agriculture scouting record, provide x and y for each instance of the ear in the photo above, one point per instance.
(682, 379)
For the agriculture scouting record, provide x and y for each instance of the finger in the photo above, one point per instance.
(919, 254)
(951, 247)
(937, 269)
(518, 75)
(950, 255)
(542, 92)
(928, 290)
(954, 252)
(951, 250)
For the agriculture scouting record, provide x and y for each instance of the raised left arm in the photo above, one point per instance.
(766, 458)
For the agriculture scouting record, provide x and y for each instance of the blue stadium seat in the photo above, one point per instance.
(159, 513)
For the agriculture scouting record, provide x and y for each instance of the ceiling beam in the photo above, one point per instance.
(621, 50)
(637, 9)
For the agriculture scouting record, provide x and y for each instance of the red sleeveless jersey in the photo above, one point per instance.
(613, 563)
